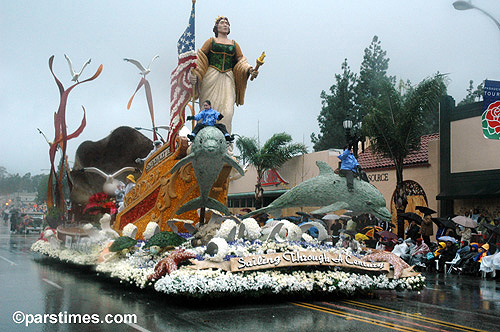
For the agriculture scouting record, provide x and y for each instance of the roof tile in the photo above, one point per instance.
(371, 160)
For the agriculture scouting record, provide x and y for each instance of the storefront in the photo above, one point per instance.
(470, 163)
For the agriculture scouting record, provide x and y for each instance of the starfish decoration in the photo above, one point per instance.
(169, 264)
(385, 256)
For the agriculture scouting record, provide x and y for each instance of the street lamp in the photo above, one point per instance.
(465, 5)
(353, 134)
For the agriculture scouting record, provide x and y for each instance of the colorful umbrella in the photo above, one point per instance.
(371, 230)
(464, 221)
(447, 238)
(387, 234)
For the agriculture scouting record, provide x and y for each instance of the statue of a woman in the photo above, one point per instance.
(222, 72)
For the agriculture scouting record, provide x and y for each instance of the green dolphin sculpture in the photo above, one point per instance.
(330, 191)
(208, 155)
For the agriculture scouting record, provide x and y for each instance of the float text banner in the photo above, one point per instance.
(304, 258)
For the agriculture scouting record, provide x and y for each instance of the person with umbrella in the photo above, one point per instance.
(413, 230)
(465, 226)
(465, 233)
(427, 228)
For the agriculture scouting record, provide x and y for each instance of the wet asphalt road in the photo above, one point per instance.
(34, 286)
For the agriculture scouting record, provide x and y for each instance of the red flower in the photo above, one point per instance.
(100, 203)
(493, 116)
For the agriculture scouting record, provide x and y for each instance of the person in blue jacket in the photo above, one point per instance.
(209, 117)
(348, 166)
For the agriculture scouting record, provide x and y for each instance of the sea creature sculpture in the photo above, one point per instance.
(105, 254)
(322, 233)
(144, 71)
(106, 230)
(123, 242)
(385, 256)
(204, 234)
(75, 75)
(208, 155)
(111, 184)
(280, 231)
(165, 239)
(330, 191)
(169, 264)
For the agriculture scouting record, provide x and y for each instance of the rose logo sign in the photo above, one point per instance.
(491, 121)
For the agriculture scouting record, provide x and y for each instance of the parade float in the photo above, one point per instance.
(174, 233)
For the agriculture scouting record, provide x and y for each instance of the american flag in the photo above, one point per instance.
(181, 89)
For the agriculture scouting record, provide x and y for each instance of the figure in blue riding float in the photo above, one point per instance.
(209, 117)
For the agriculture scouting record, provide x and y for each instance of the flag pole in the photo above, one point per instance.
(192, 92)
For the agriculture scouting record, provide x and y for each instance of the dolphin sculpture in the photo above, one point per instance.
(330, 191)
(208, 155)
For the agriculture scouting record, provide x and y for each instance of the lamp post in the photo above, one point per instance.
(352, 134)
(466, 5)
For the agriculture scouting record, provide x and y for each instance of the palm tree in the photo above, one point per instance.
(395, 124)
(275, 152)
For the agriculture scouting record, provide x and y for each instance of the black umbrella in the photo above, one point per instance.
(493, 228)
(445, 222)
(411, 216)
(425, 210)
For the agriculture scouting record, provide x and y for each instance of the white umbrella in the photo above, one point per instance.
(465, 221)
(331, 217)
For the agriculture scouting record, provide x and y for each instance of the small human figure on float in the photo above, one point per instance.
(209, 117)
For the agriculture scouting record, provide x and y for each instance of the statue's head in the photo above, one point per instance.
(218, 21)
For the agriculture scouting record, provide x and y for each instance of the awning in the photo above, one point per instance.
(470, 192)
(267, 193)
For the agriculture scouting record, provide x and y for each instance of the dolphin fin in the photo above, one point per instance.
(181, 163)
(324, 168)
(332, 207)
(199, 203)
(233, 163)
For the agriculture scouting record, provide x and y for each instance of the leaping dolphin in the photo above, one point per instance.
(208, 155)
(330, 191)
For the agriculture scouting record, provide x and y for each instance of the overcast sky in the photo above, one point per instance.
(305, 43)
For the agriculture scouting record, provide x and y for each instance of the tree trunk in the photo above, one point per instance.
(400, 198)
(259, 192)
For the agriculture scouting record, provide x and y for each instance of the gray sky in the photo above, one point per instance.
(305, 43)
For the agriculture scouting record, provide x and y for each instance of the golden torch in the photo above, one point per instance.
(260, 62)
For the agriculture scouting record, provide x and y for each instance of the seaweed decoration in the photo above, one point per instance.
(61, 138)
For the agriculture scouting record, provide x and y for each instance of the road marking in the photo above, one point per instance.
(52, 283)
(388, 325)
(7, 260)
(414, 316)
(427, 328)
(137, 327)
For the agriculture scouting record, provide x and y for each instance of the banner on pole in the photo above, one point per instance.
(491, 110)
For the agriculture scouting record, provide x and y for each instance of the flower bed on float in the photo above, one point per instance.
(242, 267)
